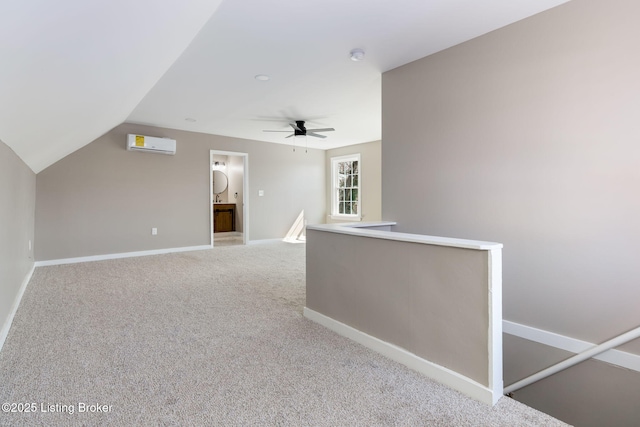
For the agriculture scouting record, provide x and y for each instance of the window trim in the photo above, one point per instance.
(334, 197)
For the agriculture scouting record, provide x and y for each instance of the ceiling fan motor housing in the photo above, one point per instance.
(301, 129)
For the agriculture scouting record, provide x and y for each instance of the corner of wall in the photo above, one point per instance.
(17, 190)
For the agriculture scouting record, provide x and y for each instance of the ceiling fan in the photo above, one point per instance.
(300, 130)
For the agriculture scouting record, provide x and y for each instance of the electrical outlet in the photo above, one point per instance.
(154, 231)
(260, 193)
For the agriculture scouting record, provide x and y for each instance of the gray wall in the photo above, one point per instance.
(430, 300)
(17, 207)
(103, 199)
(529, 136)
(223, 197)
(592, 393)
(370, 176)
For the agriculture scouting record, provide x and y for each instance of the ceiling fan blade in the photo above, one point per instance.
(276, 131)
(317, 135)
(321, 130)
(295, 126)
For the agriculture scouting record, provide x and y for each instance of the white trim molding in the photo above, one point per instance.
(436, 372)
(120, 255)
(345, 218)
(496, 384)
(244, 205)
(335, 215)
(14, 308)
(614, 357)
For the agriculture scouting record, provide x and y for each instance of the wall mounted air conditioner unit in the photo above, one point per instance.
(151, 144)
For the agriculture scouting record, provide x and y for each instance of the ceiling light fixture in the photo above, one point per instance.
(356, 55)
(262, 78)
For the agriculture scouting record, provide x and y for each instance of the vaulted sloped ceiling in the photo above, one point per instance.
(71, 70)
(74, 69)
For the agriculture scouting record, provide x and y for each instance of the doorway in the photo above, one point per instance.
(228, 197)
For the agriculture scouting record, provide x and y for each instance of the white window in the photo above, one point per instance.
(345, 192)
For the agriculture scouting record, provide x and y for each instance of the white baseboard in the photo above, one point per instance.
(614, 357)
(120, 255)
(300, 239)
(14, 308)
(436, 372)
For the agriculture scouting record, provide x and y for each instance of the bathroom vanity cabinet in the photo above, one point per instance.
(224, 217)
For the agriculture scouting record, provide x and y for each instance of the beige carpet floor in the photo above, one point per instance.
(213, 337)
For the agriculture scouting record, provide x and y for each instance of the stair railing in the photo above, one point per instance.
(574, 360)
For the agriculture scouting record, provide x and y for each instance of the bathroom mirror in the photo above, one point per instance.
(220, 182)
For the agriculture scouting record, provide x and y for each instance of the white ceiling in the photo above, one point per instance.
(72, 69)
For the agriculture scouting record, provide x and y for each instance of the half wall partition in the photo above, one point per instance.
(431, 303)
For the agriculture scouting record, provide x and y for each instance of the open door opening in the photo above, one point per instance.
(228, 198)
